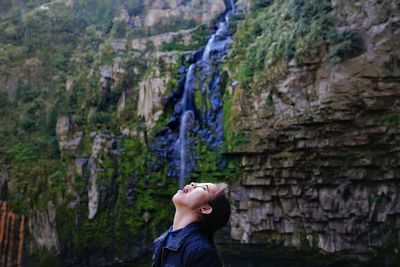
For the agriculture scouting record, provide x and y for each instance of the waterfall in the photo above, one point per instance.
(222, 27)
(187, 120)
(233, 6)
(206, 55)
(188, 89)
(188, 124)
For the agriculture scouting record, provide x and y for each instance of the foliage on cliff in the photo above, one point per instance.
(275, 33)
(274, 36)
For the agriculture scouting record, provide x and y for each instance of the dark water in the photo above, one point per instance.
(241, 255)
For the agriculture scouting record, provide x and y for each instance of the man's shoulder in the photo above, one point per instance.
(200, 252)
(161, 238)
(199, 241)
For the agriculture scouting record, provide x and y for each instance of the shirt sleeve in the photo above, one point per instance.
(204, 257)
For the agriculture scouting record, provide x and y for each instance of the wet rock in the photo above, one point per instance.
(150, 94)
(160, 12)
(196, 56)
(121, 104)
(69, 139)
(69, 84)
(102, 144)
(106, 72)
(11, 87)
(332, 242)
(80, 166)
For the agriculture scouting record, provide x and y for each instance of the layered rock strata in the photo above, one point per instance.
(324, 169)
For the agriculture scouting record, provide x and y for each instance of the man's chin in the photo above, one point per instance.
(175, 197)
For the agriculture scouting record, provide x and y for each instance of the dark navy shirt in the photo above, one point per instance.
(187, 247)
(171, 236)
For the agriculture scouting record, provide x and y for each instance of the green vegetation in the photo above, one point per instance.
(173, 24)
(134, 7)
(394, 120)
(120, 223)
(37, 176)
(47, 258)
(199, 38)
(349, 44)
(275, 33)
(213, 166)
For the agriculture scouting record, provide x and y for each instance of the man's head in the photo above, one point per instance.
(209, 201)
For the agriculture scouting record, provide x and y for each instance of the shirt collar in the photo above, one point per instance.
(182, 235)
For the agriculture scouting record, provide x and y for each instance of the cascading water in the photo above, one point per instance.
(187, 121)
(175, 143)
(233, 7)
(188, 89)
(206, 54)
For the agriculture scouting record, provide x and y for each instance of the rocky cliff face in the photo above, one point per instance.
(163, 13)
(322, 152)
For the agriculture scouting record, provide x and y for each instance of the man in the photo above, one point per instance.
(200, 210)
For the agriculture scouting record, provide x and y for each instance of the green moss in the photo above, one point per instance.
(349, 44)
(102, 118)
(394, 120)
(30, 184)
(213, 166)
(173, 24)
(119, 225)
(276, 32)
(47, 258)
(227, 123)
(198, 36)
(119, 29)
(233, 139)
(107, 55)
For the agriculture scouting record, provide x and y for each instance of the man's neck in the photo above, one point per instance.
(183, 218)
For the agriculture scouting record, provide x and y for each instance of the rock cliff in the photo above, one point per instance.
(321, 154)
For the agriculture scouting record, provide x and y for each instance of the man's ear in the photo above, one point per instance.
(206, 209)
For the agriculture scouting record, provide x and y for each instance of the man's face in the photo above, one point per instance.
(194, 195)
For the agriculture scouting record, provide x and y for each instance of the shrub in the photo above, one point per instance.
(28, 124)
(261, 3)
(101, 118)
(119, 29)
(135, 7)
(3, 100)
(276, 32)
(350, 44)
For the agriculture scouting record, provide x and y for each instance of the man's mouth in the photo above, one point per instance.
(185, 190)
